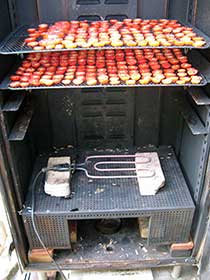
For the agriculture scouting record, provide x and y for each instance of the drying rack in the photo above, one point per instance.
(5, 84)
(14, 43)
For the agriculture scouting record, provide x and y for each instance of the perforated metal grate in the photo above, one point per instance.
(115, 197)
(103, 9)
(169, 226)
(170, 210)
(105, 118)
(5, 84)
(53, 231)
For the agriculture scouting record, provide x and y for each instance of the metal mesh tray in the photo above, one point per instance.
(114, 197)
(6, 82)
(14, 43)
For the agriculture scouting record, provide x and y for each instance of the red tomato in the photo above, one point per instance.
(46, 77)
(38, 48)
(182, 59)
(56, 63)
(186, 65)
(151, 57)
(24, 79)
(48, 73)
(15, 78)
(35, 64)
(40, 73)
(29, 40)
(110, 63)
(69, 77)
(78, 81)
(31, 30)
(24, 84)
(92, 75)
(43, 26)
(33, 44)
(26, 74)
(158, 71)
(26, 64)
(133, 67)
(170, 70)
(58, 76)
(192, 71)
(174, 61)
(131, 61)
(51, 69)
(142, 61)
(143, 66)
(166, 65)
(81, 61)
(155, 66)
(35, 77)
(30, 70)
(35, 83)
(175, 67)
(100, 64)
(15, 84)
(64, 63)
(145, 71)
(60, 72)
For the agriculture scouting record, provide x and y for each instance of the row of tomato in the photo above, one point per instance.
(105, 67)
(129, 32)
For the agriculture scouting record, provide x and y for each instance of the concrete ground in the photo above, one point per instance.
(8, 264)
(188, 273)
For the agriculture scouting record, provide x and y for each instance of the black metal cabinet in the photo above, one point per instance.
(34, 125)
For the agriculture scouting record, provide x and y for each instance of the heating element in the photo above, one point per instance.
(104, 165)
(145, 167)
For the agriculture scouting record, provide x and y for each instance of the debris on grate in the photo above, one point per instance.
(99, 190)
